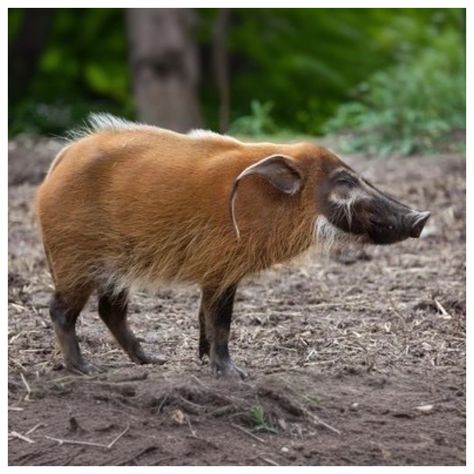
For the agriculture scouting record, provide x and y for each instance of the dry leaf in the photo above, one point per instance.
(178, 416)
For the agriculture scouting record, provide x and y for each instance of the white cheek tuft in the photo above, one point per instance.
(327, 236)
(345, 203)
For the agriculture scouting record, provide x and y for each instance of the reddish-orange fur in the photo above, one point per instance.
(144, 205)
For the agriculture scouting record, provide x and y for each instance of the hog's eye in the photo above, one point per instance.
(345, 181)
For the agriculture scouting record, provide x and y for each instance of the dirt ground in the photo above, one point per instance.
(353, 359)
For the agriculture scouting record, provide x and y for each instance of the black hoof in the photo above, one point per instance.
(228, 370)
(143, 358)
(204, 349)
(83, 367)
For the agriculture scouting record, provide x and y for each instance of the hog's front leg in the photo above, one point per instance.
(215, 317)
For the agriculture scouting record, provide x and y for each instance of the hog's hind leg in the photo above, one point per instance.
(64, 310)
(204, 345)
(113, 311)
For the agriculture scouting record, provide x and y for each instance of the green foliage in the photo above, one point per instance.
(259, 420)
(86, 57)
(15, 17)
(84, 68)
(410, 107)
(398, 73)
(307, 61)
(56, 117)
(258, 123)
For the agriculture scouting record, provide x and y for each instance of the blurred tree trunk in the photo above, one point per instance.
(25, 50)
(221, 65)
(165, 66)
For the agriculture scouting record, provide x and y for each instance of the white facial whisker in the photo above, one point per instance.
(344, 206)
(327, 236)
(348, 209)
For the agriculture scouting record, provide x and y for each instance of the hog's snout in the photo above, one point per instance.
(394, 224)
(357, 207)
(416, 222)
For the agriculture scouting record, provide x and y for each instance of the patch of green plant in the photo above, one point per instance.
(411, 107)
(258, 123)
(54, 118)
(297, 65)
(259, 420)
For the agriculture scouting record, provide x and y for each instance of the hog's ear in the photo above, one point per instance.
(279, 170)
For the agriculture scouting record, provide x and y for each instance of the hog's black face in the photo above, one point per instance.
(355, 206)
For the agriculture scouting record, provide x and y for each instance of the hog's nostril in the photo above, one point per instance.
(419, 223)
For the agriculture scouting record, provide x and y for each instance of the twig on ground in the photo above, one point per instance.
(16, 336)
(247, 432)
(200, 382)
(31, 430)
(220, 411)
(118, 436)
(192, 407)
(163, 401)
(18, 364)
(318, 421)
(269, 461)
(89, 443)
(193, 432)
(64, 380)
(28, 389)
(445, 314)
(17, 435)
